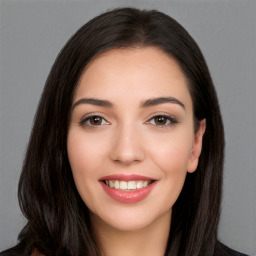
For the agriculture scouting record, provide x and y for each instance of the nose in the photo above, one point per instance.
(127, 147)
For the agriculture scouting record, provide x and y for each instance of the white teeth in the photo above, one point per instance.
(132, 185)
(124, 185)
(140, 184)
(117, 184)
(111, 183)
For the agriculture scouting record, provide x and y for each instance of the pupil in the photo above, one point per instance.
(160, 120)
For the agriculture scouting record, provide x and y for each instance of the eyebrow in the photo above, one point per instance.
(93, 101)
(161, 100)
(148, 103)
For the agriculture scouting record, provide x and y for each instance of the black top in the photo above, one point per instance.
(19, 250)
(223, 250)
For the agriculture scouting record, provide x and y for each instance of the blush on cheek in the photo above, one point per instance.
(172, 158)
(80, 150)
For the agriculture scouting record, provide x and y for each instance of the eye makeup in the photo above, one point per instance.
(96, 121)
(162, 120)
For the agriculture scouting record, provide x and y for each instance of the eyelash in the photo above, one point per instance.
(84, 121)
(169, 121)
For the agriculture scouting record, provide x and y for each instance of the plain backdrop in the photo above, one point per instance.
(33, 32)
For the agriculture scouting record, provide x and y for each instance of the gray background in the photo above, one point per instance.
(33, 32)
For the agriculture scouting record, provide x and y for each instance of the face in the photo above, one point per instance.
(131, 138)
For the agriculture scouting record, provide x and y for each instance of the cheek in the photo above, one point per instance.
(171, 158)
(173, 165)
(84, 154)
(172, 153)
(85, 157)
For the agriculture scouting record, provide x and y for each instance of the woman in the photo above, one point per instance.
(126, 152)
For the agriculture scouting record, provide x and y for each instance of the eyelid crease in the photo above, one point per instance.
(162, 113)
(92, 113)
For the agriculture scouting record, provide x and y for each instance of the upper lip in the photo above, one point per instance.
(125, 177)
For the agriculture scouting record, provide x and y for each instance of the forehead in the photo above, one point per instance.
(136, 72)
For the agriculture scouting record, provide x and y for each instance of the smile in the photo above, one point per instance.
(127, 185)
(127, 188)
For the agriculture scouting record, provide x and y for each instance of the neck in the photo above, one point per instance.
(150, 240)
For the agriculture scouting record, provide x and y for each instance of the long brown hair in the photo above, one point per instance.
(57, 218)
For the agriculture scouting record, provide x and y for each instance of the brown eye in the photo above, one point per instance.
(162, 120)
(93, 121)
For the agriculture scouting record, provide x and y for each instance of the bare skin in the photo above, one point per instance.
(117, 129)
(150, 241)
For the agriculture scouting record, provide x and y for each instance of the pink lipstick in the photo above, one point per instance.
(127, 188)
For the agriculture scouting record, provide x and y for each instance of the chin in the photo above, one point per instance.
(129, 218)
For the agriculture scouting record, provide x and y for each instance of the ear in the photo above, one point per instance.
(196, 147)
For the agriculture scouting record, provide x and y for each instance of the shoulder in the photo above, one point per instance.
(235, 253)
(223, 250)
(21, 249)
(14, 251)
(18, 251)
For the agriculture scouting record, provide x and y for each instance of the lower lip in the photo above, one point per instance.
(125, 196)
